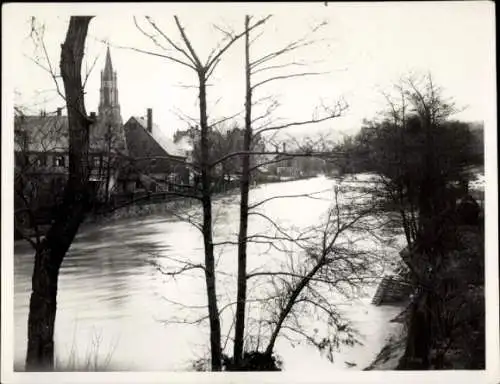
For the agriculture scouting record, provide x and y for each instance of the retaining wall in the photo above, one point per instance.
(391, 290)
(139, 210)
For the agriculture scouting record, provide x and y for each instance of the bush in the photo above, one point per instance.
(254, 361)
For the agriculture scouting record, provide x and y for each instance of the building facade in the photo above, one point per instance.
(156, 163)
(41, 153)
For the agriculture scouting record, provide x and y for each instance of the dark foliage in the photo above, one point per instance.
(254, 361)
(424, 163)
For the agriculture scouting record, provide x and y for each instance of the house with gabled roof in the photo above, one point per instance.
(42, 142)
(122, 158)
(157, 163)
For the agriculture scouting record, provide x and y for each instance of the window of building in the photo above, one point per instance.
(96, 161)
(59, 161)
(41, 160)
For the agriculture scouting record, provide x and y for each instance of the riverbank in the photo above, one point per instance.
(171, 206)
(393, 350)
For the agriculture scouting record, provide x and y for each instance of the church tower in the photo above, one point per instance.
(109, 128)
(108, 136)
(109, 108)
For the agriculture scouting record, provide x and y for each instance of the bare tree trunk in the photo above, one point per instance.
(416, 355)
(51, 251)
(290, 303)
(190, 59)
(243, 231)
(215, 332)
(108, 168)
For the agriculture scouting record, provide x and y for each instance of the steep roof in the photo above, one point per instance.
(42, 133)
(167, 145)
(51, 134)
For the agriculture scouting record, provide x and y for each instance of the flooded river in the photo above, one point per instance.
(118, 311)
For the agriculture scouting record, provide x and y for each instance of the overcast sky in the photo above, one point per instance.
(364, 48)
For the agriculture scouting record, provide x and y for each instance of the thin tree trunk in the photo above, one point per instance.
(243, 231)
(51, 251)
(108, 168)
(419, 339)
(406, 227)
(416, 355)
(291, 302)
(215, 332)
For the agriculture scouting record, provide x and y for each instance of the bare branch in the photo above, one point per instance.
(215, 59)
(274, 67)
(165, 56)
(194, 57)
(307, 195)
(331, 115)
(89, 71)
(283, 77)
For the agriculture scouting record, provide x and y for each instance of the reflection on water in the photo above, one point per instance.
(113, 300)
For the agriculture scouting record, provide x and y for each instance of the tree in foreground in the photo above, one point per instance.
(185, 55)
(51, 250)
(323, 267)
(248, 158)
(259, 128)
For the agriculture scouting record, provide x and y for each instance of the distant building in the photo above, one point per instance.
(156, 162)
(285, 166)
(42, 143)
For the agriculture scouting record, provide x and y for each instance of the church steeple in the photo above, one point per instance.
(108, 104)
(108, 67)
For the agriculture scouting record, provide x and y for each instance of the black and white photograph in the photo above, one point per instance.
(239, 192)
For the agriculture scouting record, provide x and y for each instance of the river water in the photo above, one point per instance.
(117, 310)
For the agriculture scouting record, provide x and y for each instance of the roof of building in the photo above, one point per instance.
(43, 133)
(51, 134)
(167, 145)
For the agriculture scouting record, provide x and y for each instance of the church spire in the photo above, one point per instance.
(108, 67)
(108, 103)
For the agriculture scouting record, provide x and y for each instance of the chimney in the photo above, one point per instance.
(150, 120)
(59, 111)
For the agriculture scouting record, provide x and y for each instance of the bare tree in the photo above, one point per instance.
(327, 263)
(52, 249)
(185, 54)
(254, 130)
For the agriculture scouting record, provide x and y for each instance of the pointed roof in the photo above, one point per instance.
(108, 67)
(165, 143)
(51, 134)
